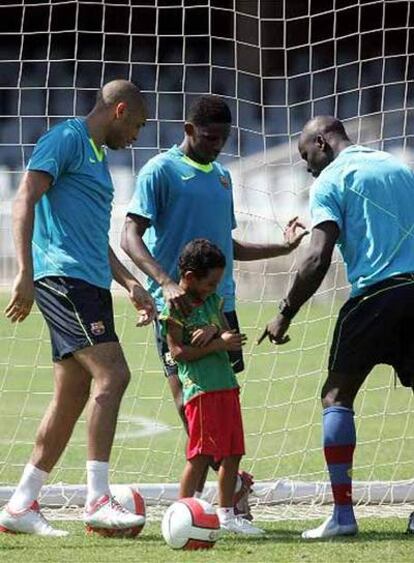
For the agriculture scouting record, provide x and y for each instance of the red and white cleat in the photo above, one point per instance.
(241, 498)
(109, 518)
(28, 521)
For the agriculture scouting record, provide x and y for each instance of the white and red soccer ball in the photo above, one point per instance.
(131, 499)
(190, 523)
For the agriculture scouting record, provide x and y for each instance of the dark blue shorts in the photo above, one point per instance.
(377, 328)
(77, 314)
(170, 367)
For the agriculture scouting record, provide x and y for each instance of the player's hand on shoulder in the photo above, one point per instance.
(232, 340)
(293, 233)
(203, 335)
(143, 303)
(22, 297)
(276, 331)
(176, 298)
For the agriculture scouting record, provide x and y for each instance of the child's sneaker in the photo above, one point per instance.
(239, 525)
(108, 514)
(28, 521)
(241, 498)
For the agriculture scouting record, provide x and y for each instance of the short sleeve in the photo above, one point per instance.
(233, 215)
(147, 201)
(169, 315)
(326, 204)
(56, 152)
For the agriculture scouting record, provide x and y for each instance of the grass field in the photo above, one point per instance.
(379, 540)
(280, 397)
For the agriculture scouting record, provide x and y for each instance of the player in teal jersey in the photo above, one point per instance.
(61, 219)
(210, 387)
(362, 200)
(184, 194)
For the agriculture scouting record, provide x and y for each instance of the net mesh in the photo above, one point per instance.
(277, 63)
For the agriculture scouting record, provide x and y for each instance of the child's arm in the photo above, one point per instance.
(203, 335)
(228, 340)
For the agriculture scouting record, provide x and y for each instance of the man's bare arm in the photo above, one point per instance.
(245, 251)
(33, 185)
(133, 245)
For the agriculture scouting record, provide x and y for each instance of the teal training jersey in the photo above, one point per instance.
(369, 194)
(213, 372)
(72, 219)
(184, 200)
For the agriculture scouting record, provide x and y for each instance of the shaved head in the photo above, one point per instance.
(120, 91)
(325, 125)
(320, 142)
(118, 115)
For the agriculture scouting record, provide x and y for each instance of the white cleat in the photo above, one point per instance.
(329, 529)
(108, 514)
(239, 525)
(28, 521)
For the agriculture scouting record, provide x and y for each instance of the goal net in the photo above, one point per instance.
(277, 63)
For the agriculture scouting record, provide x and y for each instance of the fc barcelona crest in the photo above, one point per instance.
(98, 328)
(224, 181)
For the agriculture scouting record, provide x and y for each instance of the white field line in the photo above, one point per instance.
(139, 427)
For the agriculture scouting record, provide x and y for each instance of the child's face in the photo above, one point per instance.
(205, 286)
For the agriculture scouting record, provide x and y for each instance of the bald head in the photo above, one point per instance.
(118, 115)
(320, 142)
(325, 125)
(120, 91)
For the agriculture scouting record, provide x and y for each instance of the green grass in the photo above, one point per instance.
(379, 540)
(280, 398)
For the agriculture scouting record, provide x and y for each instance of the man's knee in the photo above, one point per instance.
(340, 389)
(111, 386)
(329, 397)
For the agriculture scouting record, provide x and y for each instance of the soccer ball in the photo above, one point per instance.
(130, 498)
(190, 523)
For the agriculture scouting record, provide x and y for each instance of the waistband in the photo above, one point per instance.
(389, 282)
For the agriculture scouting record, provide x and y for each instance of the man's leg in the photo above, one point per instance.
(107, 365)
(339, 437)
(71, 392)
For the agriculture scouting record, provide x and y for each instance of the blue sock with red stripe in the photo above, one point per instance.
(339, 444)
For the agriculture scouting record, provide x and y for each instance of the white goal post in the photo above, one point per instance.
(277, 63)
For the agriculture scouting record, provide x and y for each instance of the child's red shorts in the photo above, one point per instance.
(215, 425)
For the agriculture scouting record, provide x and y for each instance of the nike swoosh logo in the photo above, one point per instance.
(184, 178)
(92, 160)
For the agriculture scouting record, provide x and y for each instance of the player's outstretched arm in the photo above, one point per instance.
(33, 185)
(309, 277)
(140, 298)
(293, 234)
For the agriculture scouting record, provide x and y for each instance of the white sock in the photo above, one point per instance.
(28, 489)
(225, 514)
(97, 473)
(239, 483)
(198, 494)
